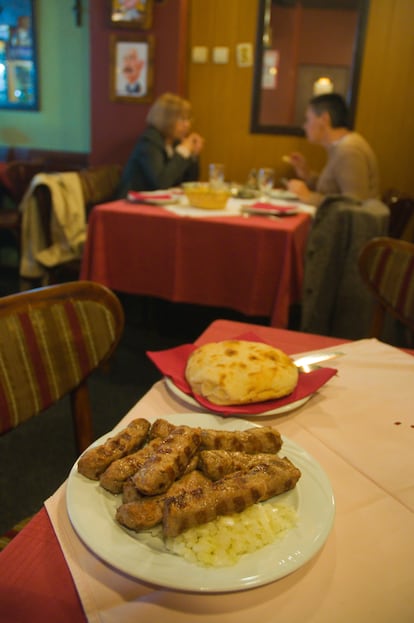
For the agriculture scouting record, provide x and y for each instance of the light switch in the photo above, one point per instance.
(199, 54)
(221, 55)
(244, 52)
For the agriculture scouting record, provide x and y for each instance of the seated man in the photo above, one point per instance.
(351, 168)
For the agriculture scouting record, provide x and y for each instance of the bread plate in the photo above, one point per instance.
(191, 402)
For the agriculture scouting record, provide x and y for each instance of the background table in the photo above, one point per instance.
(253, 265)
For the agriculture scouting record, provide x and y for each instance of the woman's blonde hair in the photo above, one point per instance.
(166, 110)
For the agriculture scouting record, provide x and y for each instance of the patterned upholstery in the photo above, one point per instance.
(14, 531)
(387, 267)
(51, 340)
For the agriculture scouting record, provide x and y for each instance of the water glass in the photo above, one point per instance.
(216, 175)
(265, 180)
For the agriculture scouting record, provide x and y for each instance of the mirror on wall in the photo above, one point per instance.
(304, 48)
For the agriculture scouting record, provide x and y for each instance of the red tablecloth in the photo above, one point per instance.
(253, 265)
(35, 582)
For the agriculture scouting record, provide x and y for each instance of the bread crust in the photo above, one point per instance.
(235, 372)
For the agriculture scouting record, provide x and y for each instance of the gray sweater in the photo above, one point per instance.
(351, 170)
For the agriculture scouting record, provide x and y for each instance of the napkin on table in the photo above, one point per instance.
(151, 196)
(172, 363)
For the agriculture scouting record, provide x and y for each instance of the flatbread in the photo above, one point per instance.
(234, 372)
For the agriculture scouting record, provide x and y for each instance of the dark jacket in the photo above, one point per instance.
(149, 167)
(335, 300)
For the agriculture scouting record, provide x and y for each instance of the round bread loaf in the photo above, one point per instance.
(236, 372)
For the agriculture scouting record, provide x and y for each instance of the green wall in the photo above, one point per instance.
(63, 119)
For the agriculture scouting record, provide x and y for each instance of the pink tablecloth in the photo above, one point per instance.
(253, 265)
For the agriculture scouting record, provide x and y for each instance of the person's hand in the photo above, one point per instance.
(300, 189)
(194, 143)
(299, 163)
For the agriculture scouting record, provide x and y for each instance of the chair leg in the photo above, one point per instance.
(377, 321)
(82, 417)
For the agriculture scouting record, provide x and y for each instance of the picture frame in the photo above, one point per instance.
(18, 56)
(131, 13)
(132, 68)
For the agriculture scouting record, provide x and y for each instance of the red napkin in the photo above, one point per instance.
(137, 196)
(262, 206)
(172, 363)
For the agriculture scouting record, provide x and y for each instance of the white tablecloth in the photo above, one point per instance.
(360, 428)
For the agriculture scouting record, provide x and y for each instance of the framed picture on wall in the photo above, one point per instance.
(132, 67)
(18, 61)
(131, 13)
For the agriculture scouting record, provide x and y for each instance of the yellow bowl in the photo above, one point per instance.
(201, 195)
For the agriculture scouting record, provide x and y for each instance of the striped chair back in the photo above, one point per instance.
(51, 340)
(387, 267)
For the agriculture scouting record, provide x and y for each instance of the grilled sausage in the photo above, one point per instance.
(168, 462)
(118, 472)
(147, 512)
(251, 441)
(95, 460)
(161, 428)
(130, 493)
(217, 463)
(231, 494)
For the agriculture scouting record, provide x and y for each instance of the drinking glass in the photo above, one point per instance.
(265, 180)
(216, 175)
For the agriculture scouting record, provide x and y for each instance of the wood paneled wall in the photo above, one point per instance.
(221, 94)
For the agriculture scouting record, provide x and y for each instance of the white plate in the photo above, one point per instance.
(279, 193)
(275, 211)
(192, 402)
(91, 510)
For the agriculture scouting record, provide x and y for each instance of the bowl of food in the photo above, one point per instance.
(202, 195)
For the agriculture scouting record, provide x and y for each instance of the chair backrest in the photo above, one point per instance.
(387, 268)
(401, 208)
(98, 185)
(334, 300)
(51, 340)
(18, 176)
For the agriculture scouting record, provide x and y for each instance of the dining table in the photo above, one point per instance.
(252, 264)
(356, 433)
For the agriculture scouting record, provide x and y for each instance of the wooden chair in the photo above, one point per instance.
(51, 340)
(401, 208)
(387, 267)
(15, 180)
(335, 300)
(98, 186)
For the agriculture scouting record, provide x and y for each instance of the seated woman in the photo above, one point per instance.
(166, 153)
(351, 168)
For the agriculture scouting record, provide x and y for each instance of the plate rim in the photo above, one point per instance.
(203, 580)
(270, 211)
(191, 402)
